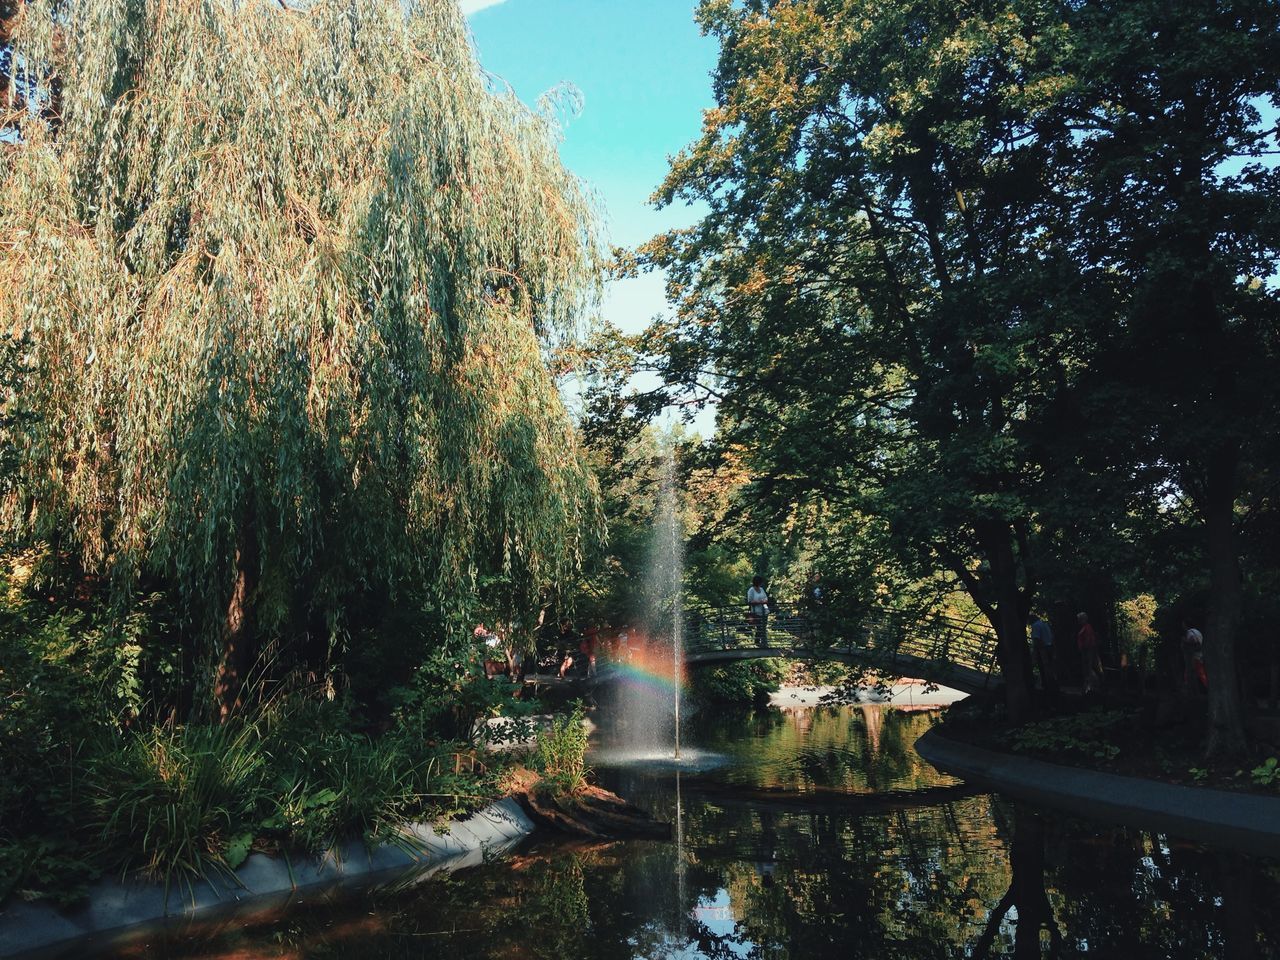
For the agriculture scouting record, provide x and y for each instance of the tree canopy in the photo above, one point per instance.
(288, 280)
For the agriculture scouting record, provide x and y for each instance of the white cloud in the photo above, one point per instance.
(471, 6)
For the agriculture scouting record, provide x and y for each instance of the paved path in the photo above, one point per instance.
(1249, 823)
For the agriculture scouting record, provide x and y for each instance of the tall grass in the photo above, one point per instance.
(562, 749)
(168, 800)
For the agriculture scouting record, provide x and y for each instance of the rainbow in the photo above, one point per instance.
(649, 668)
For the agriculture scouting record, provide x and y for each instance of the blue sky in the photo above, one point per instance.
(643, 70)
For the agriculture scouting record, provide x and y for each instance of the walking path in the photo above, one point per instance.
(1245, 822)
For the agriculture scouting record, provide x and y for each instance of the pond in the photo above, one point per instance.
(817, 833)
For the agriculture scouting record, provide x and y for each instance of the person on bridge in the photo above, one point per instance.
(758, 609)
(1042, 649)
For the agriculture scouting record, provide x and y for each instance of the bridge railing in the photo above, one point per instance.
(886, 639)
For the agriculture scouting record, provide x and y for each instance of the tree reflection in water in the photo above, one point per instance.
(967, 877)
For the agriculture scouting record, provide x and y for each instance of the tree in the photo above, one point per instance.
(288, 279)
(1176, 207)
(869, 293)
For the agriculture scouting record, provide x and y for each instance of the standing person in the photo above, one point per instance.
(494, 663)
(1042, 648)
(816, 601)
(1087, 644)
(590, 643)
(758, 606)
(566, 647)
(1193, 660)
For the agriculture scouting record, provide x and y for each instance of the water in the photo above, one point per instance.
(645, 702)
(821, 835)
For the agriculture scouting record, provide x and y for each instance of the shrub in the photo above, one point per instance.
(168, 800)
(1083, 733)
(744, 682)
(1268, 773)
(562, 749)
(450, 694)
(330, 781)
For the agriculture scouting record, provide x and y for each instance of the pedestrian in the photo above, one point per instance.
(1193, 660)
(1090, 662)
(758, 609)
(590, 643)
(1042, 649)
(817, 593)
(494, 664)
(566, 647)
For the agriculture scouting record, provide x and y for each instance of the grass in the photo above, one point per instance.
(560, 756)
(167, 800)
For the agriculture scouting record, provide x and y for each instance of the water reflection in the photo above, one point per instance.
(947, 875)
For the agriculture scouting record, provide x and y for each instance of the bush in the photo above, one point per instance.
(744, 682)
(171, 801)
(450, 694)
(332, 781)
(66, 680)
(1085, 734)
(562, 749)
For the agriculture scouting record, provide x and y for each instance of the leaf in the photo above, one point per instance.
(238, 849)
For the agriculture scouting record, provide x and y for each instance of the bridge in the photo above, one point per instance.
(946, 650)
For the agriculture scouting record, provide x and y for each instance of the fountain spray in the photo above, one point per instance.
(677, 570)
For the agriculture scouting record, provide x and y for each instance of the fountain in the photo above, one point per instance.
(646, 700)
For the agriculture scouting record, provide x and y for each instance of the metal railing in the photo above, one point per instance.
(887, 639)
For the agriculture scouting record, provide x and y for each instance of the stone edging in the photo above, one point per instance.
(1241, 821)
(115, 910)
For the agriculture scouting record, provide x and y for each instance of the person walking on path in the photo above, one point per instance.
(1042, 649)
(1193, 660)
(1090, 662)
(758, 607)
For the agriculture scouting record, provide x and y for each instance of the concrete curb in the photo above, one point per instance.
(116, 911)
(1239, 821)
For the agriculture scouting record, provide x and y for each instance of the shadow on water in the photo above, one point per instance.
(938, 872)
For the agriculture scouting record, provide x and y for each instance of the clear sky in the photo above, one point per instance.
(643, 69)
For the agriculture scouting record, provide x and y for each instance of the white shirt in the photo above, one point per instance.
(756, 599)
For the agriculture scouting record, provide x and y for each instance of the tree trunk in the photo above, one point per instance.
(238, 627)
(1226, 717)
(1010, 623)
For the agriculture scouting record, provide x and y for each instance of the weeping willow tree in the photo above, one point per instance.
(289, 279)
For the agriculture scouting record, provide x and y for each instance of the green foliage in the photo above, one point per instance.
(286, 283)
(68, 677)
(1084, 734)
(561, 753)
(744, 682)
(180, 802)
(15, 419)
(167, 800)
(1267, 773)
(1135, 624)
(450, 694)
(962, 317)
